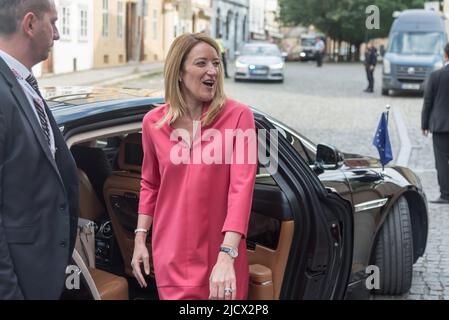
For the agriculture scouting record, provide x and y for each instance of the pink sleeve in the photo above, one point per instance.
(149, 185)
(242, 175)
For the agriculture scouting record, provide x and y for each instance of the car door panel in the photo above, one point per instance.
(317, 268)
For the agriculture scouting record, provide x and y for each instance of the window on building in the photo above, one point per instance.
(65, 21)
(83, 23)
(217, 24)
(106, 59)
(105, 30)
(155, 22)
(120, 19)
(145, 8)
(244, 29)
(228, 22)
(236, 30)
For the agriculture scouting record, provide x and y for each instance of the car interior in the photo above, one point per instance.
(109, 167)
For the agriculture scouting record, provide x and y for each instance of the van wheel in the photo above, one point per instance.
(394, 251)
(385, 92)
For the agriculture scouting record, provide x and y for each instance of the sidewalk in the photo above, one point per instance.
(102, 76)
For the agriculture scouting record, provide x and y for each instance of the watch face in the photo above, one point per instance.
(233, 253)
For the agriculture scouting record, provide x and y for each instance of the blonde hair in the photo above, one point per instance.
(174, 64)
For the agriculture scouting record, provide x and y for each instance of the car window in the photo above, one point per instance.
(263, 230)
(305, 148)
(254, 50)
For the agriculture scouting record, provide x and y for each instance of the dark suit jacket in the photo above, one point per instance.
(371, 57)
(39, 200)
(435, 112)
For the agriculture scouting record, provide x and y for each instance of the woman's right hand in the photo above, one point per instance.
(140, 255)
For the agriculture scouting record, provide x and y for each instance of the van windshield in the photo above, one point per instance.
(417, 43)
(308, 42)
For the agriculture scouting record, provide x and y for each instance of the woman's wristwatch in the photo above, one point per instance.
(231, 251)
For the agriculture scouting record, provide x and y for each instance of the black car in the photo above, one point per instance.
(318, 225)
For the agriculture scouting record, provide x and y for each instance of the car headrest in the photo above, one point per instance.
(130, 155)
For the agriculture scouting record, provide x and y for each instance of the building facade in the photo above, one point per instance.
(201, 16)
(109, 34)
(74, 50)
(231, 21)
(153, 37)
(272, 21)
(257, 19)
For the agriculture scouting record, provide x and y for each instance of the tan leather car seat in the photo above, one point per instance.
(108, 285)
(101, 284)
(121, 193)
(90, 207)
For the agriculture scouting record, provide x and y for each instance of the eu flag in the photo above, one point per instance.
(381, 141)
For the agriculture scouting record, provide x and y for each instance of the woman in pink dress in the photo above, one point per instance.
(198, 175)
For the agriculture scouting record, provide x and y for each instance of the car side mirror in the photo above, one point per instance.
(329, 157)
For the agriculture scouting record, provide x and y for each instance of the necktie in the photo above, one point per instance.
(40, 110)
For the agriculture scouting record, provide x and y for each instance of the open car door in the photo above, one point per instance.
(300, 234)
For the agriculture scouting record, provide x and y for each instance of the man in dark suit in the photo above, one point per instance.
(39, 195)
(435, 118)
(370, 65)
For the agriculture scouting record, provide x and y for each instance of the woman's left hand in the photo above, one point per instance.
(222, 281)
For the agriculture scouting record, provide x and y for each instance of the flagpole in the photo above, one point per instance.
(387, 113)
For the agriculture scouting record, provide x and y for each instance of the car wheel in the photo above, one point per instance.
(394, 251)
(385, 92)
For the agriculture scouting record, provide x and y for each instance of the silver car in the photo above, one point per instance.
(259, 61)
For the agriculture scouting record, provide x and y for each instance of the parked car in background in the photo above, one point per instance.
(259, 61)
(317, 222)
(415, 49)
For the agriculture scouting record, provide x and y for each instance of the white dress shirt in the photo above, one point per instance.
(21, 73)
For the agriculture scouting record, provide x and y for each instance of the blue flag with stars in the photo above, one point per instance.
(381, 141)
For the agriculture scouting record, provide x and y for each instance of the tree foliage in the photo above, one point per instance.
(344, 20)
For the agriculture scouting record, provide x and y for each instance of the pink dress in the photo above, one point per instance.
(195, 195)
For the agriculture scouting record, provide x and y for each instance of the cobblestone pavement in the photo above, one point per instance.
(328, 105)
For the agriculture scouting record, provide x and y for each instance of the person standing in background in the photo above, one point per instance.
(435, 119)
(319, 51)
(223, 53)
(370, 65)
